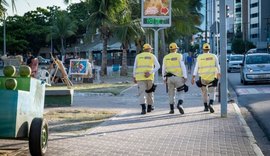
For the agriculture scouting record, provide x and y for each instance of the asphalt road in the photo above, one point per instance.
(254, 97)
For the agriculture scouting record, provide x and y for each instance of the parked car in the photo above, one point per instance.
(255, 50)
(43, 60)
(1, 63)
(234, 61)
(255, 68)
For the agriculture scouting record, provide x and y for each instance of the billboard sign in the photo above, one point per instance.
(156, 13)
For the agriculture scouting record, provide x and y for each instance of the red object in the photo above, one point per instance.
(164, 11)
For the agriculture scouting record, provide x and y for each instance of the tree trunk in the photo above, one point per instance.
(124, 67)
(139, 44)
(62, 49)
(103, 71)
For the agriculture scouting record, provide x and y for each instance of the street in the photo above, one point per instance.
(256, 99)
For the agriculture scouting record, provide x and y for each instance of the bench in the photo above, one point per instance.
(59, 98)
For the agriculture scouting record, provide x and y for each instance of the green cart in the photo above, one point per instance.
(21, 113)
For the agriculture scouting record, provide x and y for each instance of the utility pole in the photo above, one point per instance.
(206, 12)
(268, 34)
(223, 60)
(4, 33)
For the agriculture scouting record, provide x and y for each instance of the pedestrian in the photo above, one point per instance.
(175, 75)
(145, 65)
(189, 61)
(207, 67)
(32, 62)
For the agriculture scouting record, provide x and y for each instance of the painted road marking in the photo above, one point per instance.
(245, 91)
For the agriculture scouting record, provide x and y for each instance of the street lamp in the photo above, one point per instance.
(4, 33)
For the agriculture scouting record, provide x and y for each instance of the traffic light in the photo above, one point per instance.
(227, 11)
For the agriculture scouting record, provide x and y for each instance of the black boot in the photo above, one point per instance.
(180, 107)
(172, 109)
(205, 107)
(211, 106)
(149, 108)
(143, 109)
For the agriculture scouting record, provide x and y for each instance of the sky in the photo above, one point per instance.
(24, 6)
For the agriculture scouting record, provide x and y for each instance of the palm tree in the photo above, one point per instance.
(4, 4)
(63, 27)
(102, 14)
(186, 18)
(126, 33)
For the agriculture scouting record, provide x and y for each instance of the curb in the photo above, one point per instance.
(243, 122)
(250, 135)
(123, 91)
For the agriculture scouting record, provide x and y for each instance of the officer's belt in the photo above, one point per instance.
(211, 84)
(169, 75)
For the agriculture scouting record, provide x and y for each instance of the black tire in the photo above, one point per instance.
(241, 81)
(38, 137)
(245, 82)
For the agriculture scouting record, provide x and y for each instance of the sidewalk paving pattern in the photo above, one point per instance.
(196, 133)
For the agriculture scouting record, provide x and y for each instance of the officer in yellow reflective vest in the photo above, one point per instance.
(207, 67)
(145, 65)
(175, 75)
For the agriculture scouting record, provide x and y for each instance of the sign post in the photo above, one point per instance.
(156, 15)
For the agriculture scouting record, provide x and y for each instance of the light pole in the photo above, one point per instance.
(206, 13)
(223, 56)
(4, 33)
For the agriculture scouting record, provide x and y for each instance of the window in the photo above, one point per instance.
(238, 1)
(238, 10)
(236, 58)
(254, 15)
(254, 5)
(254, 35)
(258, 59)
(256, 25)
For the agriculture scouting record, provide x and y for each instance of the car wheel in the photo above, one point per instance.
(38, 137)
(241, 80)
(245, 82)
(229, 70)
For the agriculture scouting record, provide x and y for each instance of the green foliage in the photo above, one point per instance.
(29, 32)
(186, 18)
(63, 27)
(26, 33)
(240, 47)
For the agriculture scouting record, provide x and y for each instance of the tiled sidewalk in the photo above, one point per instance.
(196, 133)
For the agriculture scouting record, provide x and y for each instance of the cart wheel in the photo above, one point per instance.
(38, 137)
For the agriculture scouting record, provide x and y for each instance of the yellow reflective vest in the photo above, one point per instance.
(207, 66)
(145, 63)
(172, 64)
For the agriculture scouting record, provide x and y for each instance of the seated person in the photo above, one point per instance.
(34, 67)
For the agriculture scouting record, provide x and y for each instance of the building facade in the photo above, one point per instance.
(252, 18)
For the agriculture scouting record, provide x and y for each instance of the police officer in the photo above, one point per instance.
(145, 65)
(207, 67)
(175, 75)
